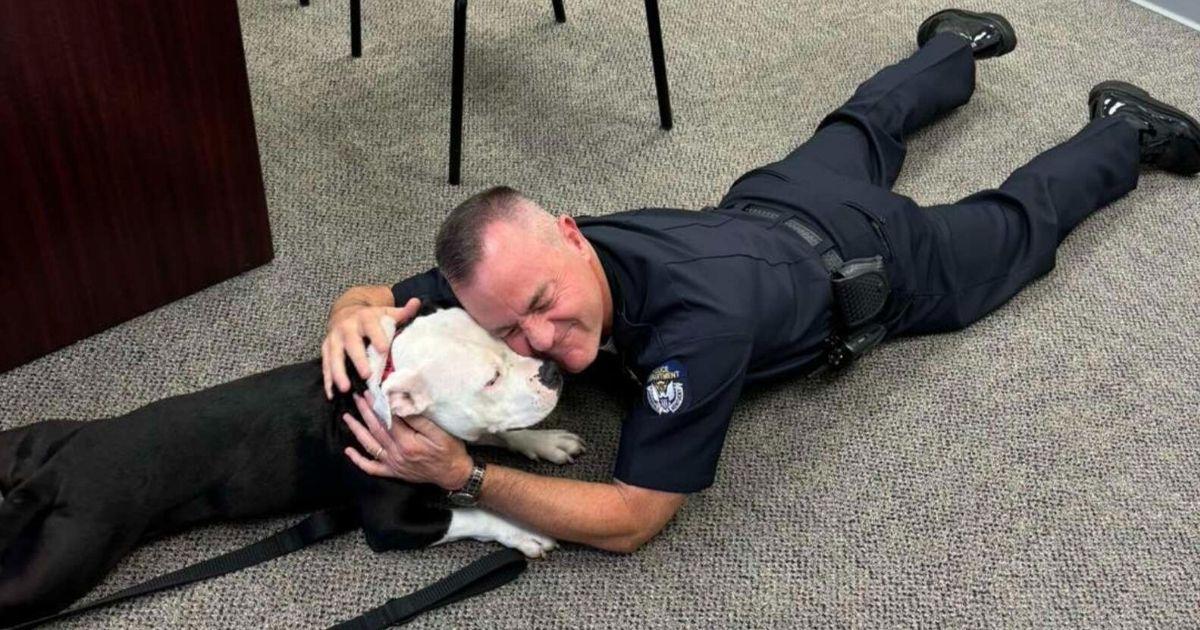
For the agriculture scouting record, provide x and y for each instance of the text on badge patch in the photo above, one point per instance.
(665, 387)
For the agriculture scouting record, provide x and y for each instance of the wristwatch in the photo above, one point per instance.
(468, 495)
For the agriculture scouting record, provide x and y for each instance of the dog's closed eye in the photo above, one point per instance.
(494, 379)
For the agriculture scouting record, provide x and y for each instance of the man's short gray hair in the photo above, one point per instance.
(459, 244)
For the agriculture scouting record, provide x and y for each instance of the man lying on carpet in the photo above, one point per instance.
(805, 264)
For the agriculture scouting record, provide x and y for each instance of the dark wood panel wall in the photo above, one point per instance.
(129, 163)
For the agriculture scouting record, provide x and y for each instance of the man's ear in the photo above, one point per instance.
(569, 230)
(407, 392)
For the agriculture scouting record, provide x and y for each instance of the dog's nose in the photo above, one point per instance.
(549, 375)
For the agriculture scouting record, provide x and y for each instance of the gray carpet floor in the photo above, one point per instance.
(1038, 470)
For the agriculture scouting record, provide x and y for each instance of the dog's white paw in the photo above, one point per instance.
(551, 445)
(483, 525)
(531, 544)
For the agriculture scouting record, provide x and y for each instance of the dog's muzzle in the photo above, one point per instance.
(550, 376)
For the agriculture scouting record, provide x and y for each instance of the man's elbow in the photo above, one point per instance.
(628, 543)
(645, 514)
(623, 545)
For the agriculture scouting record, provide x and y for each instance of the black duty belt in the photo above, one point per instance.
(493, 570)
(860, 289)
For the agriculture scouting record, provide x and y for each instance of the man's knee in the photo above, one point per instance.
(980, 300)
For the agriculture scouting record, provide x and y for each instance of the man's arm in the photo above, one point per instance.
(367, 295)
(612, 516)
(616, 517)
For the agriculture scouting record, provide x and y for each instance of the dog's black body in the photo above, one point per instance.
(79, 495)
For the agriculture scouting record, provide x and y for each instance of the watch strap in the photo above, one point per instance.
(469, 493)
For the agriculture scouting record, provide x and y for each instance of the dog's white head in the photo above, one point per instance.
(449, 369)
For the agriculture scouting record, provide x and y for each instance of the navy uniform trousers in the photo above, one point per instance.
(950, 264)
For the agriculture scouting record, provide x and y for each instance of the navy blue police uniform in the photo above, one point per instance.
(706, 303)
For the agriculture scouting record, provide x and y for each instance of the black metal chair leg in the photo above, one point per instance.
(560, 14)
(660, 64)
(356, 28)
(303, 3)
(456, 89)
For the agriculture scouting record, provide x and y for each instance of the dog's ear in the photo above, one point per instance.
(408, 393)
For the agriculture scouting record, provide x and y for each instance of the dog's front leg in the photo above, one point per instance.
(551, 445)
(487, 527)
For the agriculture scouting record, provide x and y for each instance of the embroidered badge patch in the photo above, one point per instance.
(664, 387)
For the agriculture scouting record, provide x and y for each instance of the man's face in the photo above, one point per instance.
(542, 298)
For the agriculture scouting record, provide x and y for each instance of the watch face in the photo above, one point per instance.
(461, 499)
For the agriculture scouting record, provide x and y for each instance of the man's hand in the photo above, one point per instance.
(415, 450)
(352, 320)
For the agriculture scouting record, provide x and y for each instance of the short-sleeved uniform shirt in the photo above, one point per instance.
(703, 304)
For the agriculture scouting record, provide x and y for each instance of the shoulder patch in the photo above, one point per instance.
(665, 387)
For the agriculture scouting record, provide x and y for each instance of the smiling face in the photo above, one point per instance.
(469, 383)
(540, 288)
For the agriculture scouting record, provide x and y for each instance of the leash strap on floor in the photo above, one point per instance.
(491, 571)
(315, 528)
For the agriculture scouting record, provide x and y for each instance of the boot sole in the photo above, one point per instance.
(1008, 35)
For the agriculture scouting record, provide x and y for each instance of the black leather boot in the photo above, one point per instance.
(1170, 139)
(989, 33)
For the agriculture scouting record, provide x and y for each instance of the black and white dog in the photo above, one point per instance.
(79, 495)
